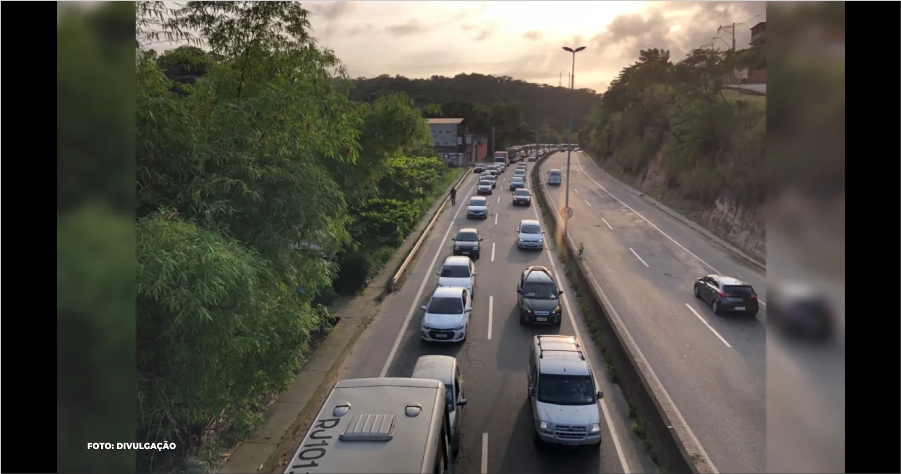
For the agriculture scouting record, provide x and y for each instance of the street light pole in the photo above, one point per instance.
(569, 135)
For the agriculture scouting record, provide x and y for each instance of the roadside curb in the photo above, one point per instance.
(731, 248)
(677, 450)
(296, 405)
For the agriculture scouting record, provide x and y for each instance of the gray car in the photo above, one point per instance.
(468, 242)
(562, 393)
(530, 235)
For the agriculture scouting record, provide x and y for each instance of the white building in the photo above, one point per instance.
(447, 133)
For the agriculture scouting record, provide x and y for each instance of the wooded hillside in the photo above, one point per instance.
(550, 101)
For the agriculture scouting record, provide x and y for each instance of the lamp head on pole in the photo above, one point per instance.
(574, 51)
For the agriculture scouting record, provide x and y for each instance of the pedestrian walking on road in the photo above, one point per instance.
(453, 196)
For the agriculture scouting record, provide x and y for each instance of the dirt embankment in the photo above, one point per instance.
(728, 216)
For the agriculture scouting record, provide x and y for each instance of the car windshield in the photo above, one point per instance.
(455, 271)
(516, 180)
(467, 237)
(539, 291)
(440, 305)
(555, 173)
(566, 389)
(740, 291)
(484, 182)
(477, 201)
(521, 192)
(530, 229)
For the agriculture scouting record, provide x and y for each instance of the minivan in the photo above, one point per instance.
(563, 393)
(554, 177)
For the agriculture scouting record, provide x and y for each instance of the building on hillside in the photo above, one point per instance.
(758, 39)
(448, 140)
(477, 146)
(758, 34)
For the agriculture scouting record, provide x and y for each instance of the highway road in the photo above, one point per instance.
(712, 367)
(497, 433)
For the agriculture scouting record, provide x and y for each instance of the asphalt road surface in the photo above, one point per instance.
(647, 262)
(497, 433)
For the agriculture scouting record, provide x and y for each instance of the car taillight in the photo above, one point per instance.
(722, 295)
(753, 297)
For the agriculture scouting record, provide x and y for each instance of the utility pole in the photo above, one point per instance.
(732, 32)
(560, 82)
(569, 138)
(537, 120)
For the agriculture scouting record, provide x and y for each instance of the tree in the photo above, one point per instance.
(232, 177)
(549, 135)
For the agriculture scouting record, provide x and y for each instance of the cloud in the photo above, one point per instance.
(468, 27)
(333, 10)
(484, 34)
(368, 28)
(412, 27)
(469, 14)
(533, 35)
(697, 23)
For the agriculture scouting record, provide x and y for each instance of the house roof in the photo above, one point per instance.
(757, 25)
(444, 120)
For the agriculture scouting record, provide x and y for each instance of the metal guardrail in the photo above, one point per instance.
(392, 282)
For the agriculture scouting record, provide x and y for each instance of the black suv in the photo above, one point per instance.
(467, 243)
(522, 197)
(727, 294)
(538, 297)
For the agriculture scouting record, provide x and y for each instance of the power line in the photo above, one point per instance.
(753, 17)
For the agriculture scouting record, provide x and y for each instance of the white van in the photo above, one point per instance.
(445, 370)
(554, 177)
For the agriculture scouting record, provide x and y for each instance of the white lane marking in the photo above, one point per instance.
(415, 305)
(579, 162)
(608, 224)
(630, 341)
(586, 202)
(490, 314)
(708, 325)
(484, 453)
(576, 190)
(495, 219)
(492, 251)
(498, 199)
(572, 319)
(639, 258)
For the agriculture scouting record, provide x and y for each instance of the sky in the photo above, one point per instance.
(522, 40)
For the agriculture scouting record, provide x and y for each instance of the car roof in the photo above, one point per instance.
(477, 198)
(725, 280)
(555, 170)
(456, 260)
(560, 355)
(468, 230)
(520, 190)
(529, 221)
(436, 367)
(537, 274)
(447, 292)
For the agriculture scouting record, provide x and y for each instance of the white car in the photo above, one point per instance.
(447, 315)
(520, 173)
(533, 157)
(478, 206)
(457, 271)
